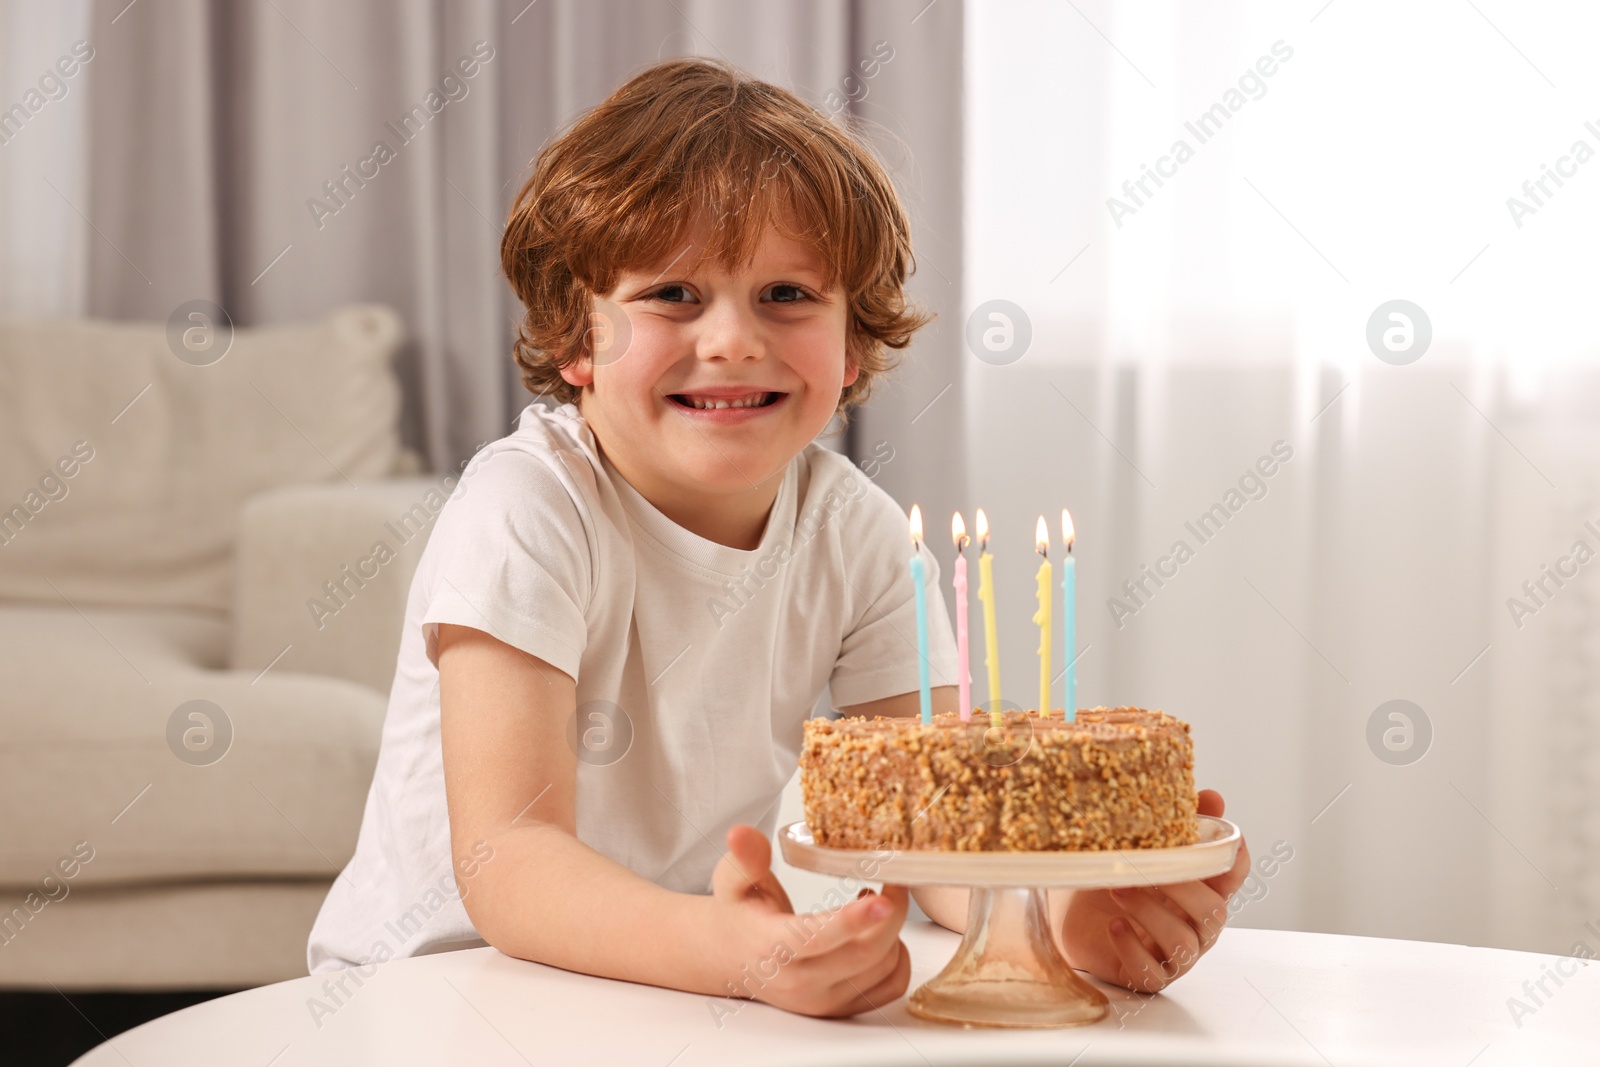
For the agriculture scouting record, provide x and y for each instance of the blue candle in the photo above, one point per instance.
(1069, 620)
(919, 575)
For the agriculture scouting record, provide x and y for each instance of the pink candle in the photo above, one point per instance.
(958, 533)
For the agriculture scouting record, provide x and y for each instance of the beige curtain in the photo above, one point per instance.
(233, 160)
(1173, 347)
(43, 172)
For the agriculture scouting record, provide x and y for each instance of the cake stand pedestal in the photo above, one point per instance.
(1008, 971)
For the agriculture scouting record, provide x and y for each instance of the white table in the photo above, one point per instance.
(1259, 997)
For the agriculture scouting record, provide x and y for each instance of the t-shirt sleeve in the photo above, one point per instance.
(878, 656)
(513, 559)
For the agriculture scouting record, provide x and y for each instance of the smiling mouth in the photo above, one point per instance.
(703, 403)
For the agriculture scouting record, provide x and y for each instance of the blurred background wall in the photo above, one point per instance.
(1125, 328)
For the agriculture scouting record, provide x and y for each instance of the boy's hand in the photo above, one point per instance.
(834, 963)
(1145, 937)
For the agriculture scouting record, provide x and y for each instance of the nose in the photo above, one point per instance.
(731, 333)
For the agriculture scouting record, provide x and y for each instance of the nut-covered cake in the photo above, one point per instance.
(1115, 778)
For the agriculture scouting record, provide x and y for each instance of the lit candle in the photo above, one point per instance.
(1069, 619)
(1041, 541)
(991, 649)
(919, 574)
(958, 534)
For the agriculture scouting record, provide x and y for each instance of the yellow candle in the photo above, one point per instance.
(991, 640)
(1042, 616)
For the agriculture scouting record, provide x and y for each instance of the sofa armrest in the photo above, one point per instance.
(325, 571)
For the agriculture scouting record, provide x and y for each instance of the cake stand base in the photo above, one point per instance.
(1008, 971)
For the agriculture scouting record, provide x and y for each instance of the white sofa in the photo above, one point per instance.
(166, 524)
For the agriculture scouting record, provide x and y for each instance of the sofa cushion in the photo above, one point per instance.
(123, 467)
(325, 572)
(90, 754)
(199, 935)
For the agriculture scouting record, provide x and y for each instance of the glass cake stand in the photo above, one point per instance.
(1008, 971)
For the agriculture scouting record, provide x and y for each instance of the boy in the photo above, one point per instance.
(630, 605)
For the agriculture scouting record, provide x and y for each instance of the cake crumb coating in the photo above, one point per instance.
(1116, 778)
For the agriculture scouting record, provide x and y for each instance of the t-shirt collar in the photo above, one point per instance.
(688, 545)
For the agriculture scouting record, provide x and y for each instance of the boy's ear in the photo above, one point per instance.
(852, 365)
(579, 373)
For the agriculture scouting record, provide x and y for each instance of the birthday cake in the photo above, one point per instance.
(1116, 778)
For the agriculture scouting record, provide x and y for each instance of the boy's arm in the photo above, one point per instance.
(510, 779)
(534, 891)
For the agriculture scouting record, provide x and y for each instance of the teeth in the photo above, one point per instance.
(706, 403)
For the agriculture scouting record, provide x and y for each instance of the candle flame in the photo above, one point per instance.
(916, 524)
(1069, 533)
(1041, 538)
(983, 529)
(958, 532)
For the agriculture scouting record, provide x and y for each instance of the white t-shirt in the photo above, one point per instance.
(696, 665)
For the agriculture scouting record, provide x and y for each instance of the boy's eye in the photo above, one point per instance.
(784, 293)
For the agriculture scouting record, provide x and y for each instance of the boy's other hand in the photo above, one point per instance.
(831, 963)
(1145, 937)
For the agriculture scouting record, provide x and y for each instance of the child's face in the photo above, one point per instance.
(766, 341)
